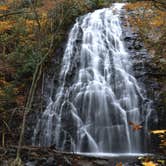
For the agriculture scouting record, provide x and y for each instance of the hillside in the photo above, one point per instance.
(33, 35)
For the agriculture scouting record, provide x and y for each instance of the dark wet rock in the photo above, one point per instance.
(35, 156)
(31, 163)
(100, 162)
(148, 73)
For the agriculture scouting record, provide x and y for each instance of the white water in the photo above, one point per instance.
(98, 94)
(110, 155)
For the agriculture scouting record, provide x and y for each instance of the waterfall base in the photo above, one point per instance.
(116, 155)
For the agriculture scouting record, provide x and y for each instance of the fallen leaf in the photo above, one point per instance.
(135, 126)
(149, 163)
(158, 131)
(119, 164)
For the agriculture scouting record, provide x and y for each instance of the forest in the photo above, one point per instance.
(33, 37)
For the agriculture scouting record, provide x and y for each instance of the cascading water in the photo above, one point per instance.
(98, 96)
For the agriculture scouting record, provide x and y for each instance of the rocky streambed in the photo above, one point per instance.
(44, 156)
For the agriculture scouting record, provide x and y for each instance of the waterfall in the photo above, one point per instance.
(98, 97)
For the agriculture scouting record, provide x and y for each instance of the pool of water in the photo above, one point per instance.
(114, 155)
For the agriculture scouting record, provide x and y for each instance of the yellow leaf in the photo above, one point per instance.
(158, 131)
(149, 163)
(5, 25)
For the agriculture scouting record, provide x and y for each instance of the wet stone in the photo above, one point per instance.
(31, 163)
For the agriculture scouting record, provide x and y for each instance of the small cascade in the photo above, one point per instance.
(98, 98)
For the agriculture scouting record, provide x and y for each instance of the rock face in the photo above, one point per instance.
(151, 76)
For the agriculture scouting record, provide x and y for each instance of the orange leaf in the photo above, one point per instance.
(119, 164)
(4, 8)
(135, 126)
